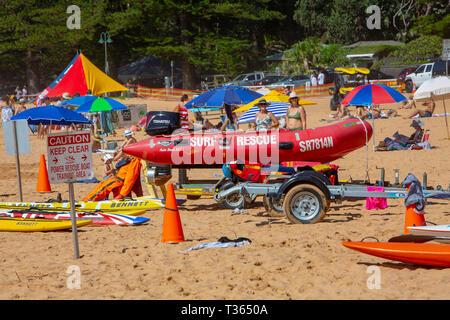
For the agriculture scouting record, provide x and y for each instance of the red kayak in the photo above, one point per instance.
(322, 144)
(427, 254)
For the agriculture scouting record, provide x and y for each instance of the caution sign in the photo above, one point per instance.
(69, 157)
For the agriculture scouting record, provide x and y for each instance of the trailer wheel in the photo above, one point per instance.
(305, 204)
(273, 207)
(234, 200)
(409, 86)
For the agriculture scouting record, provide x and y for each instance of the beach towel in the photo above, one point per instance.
(223, 242)
(375, 203)
(415, 193)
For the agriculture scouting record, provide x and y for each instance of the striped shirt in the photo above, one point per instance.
(184, 118)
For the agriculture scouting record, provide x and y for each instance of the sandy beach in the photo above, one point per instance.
(284, 260)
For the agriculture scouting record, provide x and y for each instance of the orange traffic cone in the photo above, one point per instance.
(43, 182)
(172, 228)
(412, 218)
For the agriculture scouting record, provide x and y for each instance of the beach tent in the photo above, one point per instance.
(79, 76)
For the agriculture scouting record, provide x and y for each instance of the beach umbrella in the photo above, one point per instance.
(278, 109)
(79, 76)
(438, 88)
(273, 96)
(232, 95)
(99, 105)
(78, 101)
(51, 115)
(372, 94)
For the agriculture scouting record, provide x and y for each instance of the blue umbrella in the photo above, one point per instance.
(78, 101)
(232, 95)
(278, 109)
(52, 115)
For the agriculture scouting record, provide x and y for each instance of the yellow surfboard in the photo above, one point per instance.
(110, 206)
(33, 225)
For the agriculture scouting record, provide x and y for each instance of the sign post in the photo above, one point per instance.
(446, 53)
(19, 144)
(70, 159)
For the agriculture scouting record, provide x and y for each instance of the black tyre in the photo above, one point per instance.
(333, 105)
(234, 200)
(409, 87)
(273, 208)
(305, 204)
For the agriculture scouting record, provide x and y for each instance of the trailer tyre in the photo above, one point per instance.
(409, 87)
(305, 204)
(234, 200)
(273, 207)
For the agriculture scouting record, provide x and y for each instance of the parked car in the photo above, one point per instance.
(423, 73)
(402, 75)
(212, 81)
(270, 79)
(378, 75)
(295, 81)
(247, 79)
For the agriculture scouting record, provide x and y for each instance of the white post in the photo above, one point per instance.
(16, 151)
(73, 217)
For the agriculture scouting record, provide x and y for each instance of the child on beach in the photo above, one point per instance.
(109, 170)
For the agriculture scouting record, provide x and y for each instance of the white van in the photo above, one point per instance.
(423, 73)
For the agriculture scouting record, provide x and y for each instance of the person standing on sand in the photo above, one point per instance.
(181, 109)
(321, 78)
(7, 110)
(295, 114)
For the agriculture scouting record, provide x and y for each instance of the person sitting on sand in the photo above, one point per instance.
(129, 139)
(408, 104)
(402, 142)
(341, 112)
(424, 113)
(109, 169)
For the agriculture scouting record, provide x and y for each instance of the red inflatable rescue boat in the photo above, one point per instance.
(203, 149)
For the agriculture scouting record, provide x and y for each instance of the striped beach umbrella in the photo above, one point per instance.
(278, 109)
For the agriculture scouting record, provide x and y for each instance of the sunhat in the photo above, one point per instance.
(293, 95)
(66, 95)
(128, 133)
(107, 157)
(416, 123)
(262, 101)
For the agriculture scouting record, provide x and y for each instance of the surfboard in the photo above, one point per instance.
(33, 225)
(97, 218)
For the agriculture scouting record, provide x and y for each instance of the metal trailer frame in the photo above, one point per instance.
(305, 197)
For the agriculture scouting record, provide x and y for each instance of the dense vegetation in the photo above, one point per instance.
(205, 36)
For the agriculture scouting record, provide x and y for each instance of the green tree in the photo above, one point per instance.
(419, 50)
(185, 30)
(302, 56)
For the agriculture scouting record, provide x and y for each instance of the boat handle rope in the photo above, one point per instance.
(369, 237)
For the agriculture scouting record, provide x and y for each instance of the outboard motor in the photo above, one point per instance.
(158, 174)
(162, 122)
